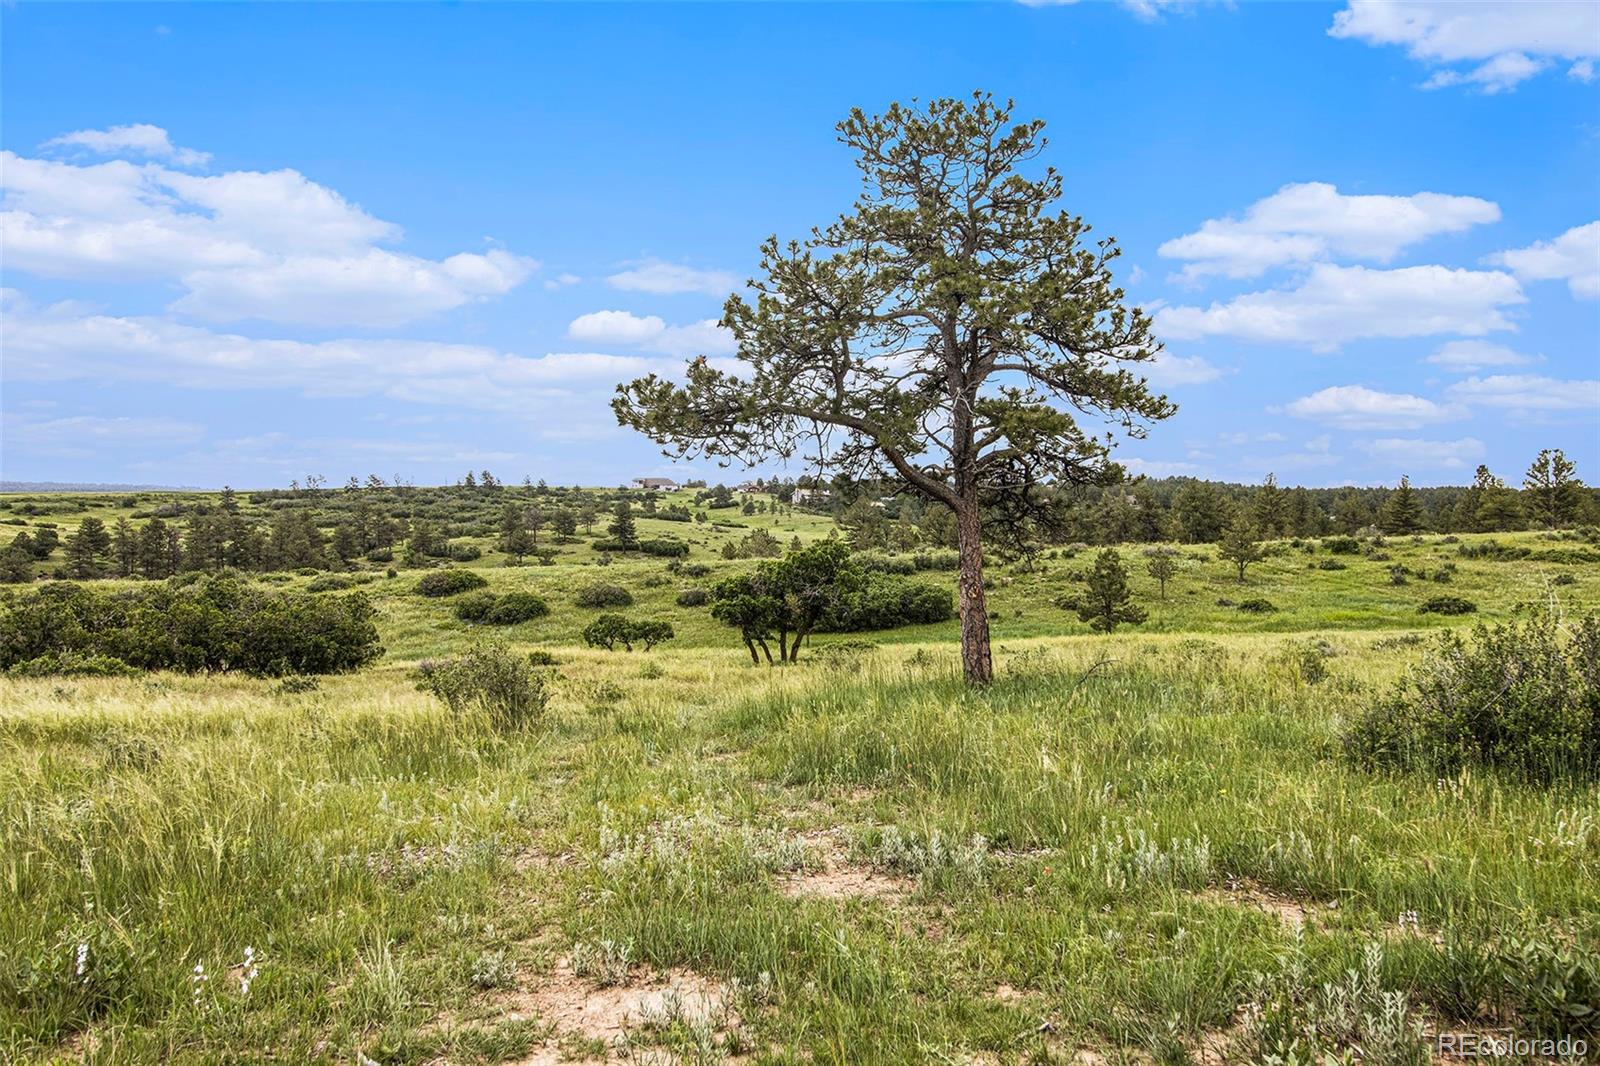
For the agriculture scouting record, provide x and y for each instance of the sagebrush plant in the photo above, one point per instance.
(490, 679)
(1522, 696)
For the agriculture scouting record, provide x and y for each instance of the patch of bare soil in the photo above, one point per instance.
(838, 877)
(576, 1008)
(1291, 913)
(846, 882)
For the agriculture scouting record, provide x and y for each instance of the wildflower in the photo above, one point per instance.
(247, 970)
(197, 981)
(83, 960)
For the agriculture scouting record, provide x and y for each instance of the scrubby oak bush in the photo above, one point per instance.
(189, 624)
(603, 594)
(695, 597)
(489, 680)
(515, 607)
(610, 630)
(1447, 605)
(439, 583)
(1522, 696)
(475, 606)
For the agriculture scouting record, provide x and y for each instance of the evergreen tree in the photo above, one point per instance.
(564, 522)
(1108, 601)
(124, 548)
(154, 556)
(1554, 493)
(1239, 545)
(1269, 509)
(1010, 323)
(1351, 513)
(86, 549)
(1163, 566)
(1200, 513)
(1401, 512)
(16, 561)
(45, 540)
(622, 529)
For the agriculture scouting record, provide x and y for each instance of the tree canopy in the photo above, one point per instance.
(948, 333)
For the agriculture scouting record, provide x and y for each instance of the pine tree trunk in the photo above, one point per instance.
(976, 662)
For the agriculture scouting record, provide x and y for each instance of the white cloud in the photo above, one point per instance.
(1160, 467)
(140, 138)
(1504, 42)
(1335, 304)
(274, 246)
(1574, 257)
(1426, 454)
(1582, 70)
(377, 288)
(657, 276)
(1528, 392)
(1500, 74)
(1313, 221)
(54, 344)
(1144, 10)
(651, 333)
(562, 281)
(615, 327)
(1462, 356)
(1168, 370)
(91, 435)
(1358, 407)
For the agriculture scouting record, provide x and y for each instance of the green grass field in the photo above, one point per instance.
(1134, 848)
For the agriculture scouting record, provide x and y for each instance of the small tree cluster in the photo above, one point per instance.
(610, 630)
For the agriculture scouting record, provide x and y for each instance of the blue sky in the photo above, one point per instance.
(247, 243)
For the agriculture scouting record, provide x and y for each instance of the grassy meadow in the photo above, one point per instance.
(1143, 847)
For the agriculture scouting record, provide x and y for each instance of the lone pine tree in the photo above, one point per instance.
(947, 333)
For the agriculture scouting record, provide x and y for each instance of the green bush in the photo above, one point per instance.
(191, 624)
(1447, 605)
(1342, 545)
(1523, 696)
(609, 630)
(491, 680)
(448, 582)
(603, 594)
(1258, 606)
(330, 583)
(695, 597)
(475, 606)
(1331, 564)
(515, 607)
(884, 601)
(464, 553)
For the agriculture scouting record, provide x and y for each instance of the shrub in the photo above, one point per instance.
(71, 664)
(1564, 579)
(1342, 545)
(1522, 696)
(329, 583)
(516, 607)
(609, 630)
(540, 657)
(464, 553)
(1447, 605)
(664, 547)
(695, 597)
(198, 623)
(380, 555)
(449, 582)
(490, 680)
(603, 594)
(884, 601)
(1258, 606)
(475, 606)
(1331, 564)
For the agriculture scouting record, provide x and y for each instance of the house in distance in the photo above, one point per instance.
(655, 484)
